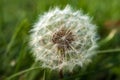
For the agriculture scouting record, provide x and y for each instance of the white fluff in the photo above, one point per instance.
(82, 49)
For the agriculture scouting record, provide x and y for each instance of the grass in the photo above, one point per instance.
(17, 18)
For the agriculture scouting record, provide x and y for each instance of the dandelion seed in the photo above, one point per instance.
(62, 39)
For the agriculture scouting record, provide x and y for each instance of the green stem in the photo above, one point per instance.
(61, 74)
(22, 72)
(108, 51)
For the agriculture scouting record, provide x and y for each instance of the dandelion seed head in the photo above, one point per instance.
(63, 39)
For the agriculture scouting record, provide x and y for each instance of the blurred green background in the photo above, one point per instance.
(17, 18)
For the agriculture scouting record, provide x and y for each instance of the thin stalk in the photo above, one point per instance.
(61, 74)
(22, 72)
(108, 51)
(62, 55)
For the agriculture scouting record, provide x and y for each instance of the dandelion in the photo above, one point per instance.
(62, 39)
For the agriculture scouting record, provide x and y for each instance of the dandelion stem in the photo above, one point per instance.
(61, 74)
(62, 55)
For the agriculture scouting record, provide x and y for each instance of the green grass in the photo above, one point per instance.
(17, 18)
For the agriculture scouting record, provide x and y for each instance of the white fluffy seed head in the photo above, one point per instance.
(63, 39)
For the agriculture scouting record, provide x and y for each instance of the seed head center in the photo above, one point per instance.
(63, 38)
